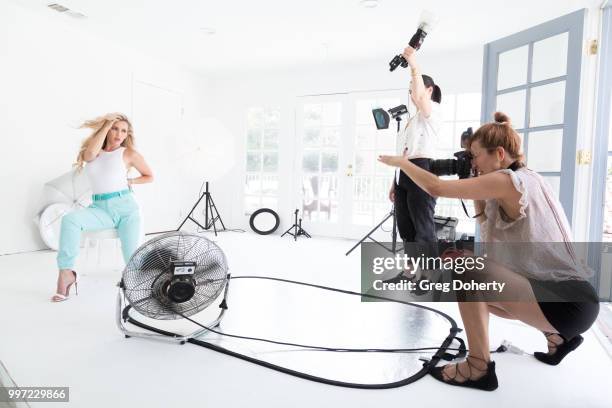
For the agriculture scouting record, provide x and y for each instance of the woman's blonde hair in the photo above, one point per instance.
(96, 125)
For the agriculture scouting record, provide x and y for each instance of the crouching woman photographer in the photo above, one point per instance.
(515, 204)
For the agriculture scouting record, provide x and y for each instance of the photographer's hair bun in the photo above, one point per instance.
(501, 117)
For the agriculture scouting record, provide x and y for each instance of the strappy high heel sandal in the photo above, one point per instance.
(487, 382)
(60, 297)
(560, 349)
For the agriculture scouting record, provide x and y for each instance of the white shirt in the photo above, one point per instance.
(419, 137)
(107, 172)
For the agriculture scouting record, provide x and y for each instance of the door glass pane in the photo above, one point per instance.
(270, 162)
(555, 183)
(330, 136)
(270, 139)
(311, 136)
(544, 152)
(547, 103)
(329, 162)
(549, 58)
(320, 201)
(271, 118)
(512, 68)
(254, 139)
(253, 161)
(310, 162)
(364, 162)
(363, 187)
(253, 184)
(513, 105)
(269, 184)
(365, 136)
(255, 118)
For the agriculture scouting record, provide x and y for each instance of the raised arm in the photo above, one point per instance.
(417, 87)
(95, 144)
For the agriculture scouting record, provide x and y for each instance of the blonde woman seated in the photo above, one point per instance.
(515, 205)
(106, 155)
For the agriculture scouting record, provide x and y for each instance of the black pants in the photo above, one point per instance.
(414, 211)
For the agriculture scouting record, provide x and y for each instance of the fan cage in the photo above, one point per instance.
(149, 271)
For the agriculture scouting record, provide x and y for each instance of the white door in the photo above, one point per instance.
(320, 179)
(339, 186)
(157, 115)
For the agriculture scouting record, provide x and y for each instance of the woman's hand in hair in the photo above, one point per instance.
(112, 117)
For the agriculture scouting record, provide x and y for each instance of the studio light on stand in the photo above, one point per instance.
(382, 119)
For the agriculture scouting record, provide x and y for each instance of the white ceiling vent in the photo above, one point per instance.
(65, 10)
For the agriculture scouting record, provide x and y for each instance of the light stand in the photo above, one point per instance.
(297, 228)
(380, 117)
(210, 210)
(393, 234)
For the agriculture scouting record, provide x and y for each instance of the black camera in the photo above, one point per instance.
(461, 166)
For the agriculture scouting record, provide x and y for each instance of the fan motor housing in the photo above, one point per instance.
(182, 286)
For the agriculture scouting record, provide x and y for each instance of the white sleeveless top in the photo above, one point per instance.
(107, 172)
(542, 221)
(419, 137)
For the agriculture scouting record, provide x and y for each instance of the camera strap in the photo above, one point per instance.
(514, 166)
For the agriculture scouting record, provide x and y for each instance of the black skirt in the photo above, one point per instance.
(570, 306)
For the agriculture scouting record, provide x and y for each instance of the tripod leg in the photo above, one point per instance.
(215, 213)
(370, 233)
(190, 212)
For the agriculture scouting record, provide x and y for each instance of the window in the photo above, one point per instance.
(262, 141)
(460, 111)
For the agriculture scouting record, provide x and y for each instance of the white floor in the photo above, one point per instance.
(76, 343)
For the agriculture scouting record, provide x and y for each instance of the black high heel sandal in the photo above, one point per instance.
(488, 382)
(561, 350)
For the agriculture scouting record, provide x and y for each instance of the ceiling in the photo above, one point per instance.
(276, 34)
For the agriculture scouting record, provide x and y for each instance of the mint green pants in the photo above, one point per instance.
(119, 212)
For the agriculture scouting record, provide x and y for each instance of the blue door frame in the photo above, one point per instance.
(572, 24)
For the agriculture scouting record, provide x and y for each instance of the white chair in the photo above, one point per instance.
(88, 238)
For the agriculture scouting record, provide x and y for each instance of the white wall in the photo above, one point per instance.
(52, 76)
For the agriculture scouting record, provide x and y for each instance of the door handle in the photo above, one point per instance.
(349, 170)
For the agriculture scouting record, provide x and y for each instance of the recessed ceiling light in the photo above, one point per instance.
(208, 30)
(369, 3)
